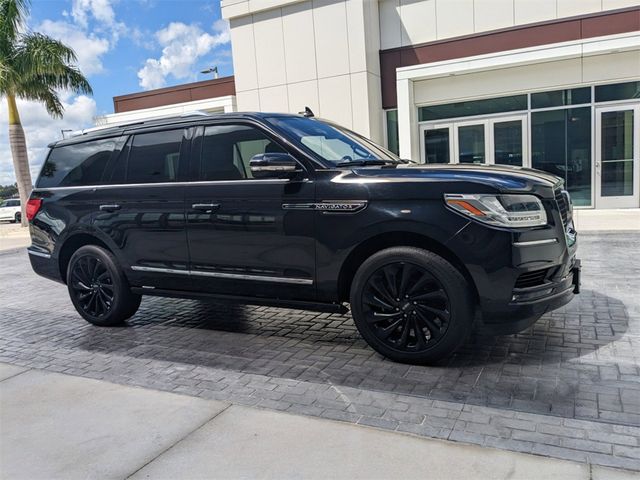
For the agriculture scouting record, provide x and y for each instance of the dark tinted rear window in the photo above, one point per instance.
(154, 157)
(76, 165)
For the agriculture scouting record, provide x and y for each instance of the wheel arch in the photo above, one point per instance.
(71, 245)
(395, 239)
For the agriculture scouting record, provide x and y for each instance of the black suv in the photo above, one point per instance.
(292, 211)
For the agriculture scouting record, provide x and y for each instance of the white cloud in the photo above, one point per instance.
(101, 10)
(41, 129)
(89, 47)
(183, 45)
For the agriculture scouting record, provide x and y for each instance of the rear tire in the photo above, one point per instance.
(411, 305)
(98, 288)
(17, 217)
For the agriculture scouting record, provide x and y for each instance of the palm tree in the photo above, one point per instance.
(32, 67)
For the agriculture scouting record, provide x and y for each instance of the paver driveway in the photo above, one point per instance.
(569, 387)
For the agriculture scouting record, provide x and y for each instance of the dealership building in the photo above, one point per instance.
(548, 84)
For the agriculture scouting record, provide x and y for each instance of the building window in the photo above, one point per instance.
(559, 98)
(477, 107)
(391, 117)
(561, 144)
(618, 91)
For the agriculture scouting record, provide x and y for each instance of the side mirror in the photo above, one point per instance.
(276, 165)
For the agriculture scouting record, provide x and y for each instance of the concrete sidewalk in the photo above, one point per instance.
(59, 426)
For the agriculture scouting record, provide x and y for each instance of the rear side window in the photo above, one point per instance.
(76, 165)
(149, 158)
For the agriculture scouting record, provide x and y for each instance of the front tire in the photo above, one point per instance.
(98, 288)
(411, 305)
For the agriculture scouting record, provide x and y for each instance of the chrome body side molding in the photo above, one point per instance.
(233, 276)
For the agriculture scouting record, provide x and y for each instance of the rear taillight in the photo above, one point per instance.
(33, 205)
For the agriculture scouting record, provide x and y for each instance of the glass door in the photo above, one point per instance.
(437, 143)
(617, 156)
(471, 141)
(495, 140)
(508, 139)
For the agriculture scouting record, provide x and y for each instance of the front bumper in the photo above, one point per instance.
(527, 305)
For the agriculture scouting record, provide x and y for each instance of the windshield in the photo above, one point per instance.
(332, 143)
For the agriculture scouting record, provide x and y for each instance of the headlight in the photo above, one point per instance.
(500, 210)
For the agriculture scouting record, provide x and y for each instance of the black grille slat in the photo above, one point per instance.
(561, 200)
(531, 279)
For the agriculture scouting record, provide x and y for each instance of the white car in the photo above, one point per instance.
(10, 210)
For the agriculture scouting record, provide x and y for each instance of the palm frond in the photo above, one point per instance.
(45, 95)
(37, 54)
(12, 17)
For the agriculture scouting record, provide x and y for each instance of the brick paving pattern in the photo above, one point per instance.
(569, 387)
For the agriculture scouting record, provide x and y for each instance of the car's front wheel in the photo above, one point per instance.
(411, 305)
(98, 288)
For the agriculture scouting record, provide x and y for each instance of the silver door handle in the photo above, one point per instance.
(110, 208)
(206, 207)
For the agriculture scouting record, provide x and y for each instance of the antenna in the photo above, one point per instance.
(307, 113)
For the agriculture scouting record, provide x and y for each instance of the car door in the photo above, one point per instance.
(241, 239)
(141, 208)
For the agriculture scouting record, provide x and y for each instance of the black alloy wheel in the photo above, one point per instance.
(411, 305)
(98, 288)
(406, 307)
(92, 285)
(18, 217)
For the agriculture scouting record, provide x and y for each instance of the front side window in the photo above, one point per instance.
(228, 149)
(332, 143)
(76, 165)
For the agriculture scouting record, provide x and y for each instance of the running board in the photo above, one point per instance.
(238, 299)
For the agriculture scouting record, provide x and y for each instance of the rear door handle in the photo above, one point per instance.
(110, 208)
(206, 207)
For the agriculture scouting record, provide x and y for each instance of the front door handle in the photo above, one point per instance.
(110, 208)
(206, 207)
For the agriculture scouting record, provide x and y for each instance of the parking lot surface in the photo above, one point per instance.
(569, 387)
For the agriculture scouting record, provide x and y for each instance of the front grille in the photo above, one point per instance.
(532, 279)
(563, 207)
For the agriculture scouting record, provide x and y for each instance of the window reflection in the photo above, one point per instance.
(561, 144)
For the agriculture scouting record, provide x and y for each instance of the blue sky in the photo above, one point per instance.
(123, 46)
(132, 37)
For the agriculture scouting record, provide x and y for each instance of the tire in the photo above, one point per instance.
(16, 218)
(411, 305)
(98, 288)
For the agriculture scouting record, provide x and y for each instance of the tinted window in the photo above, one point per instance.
(476, 107)
(618, 91)
(558, 98)
(227, 151)
(561, 144)
(153, 157)
(75, 165)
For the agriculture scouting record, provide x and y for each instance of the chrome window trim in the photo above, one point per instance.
(38, 254)
(533, 243)
(235, 276)
(274, 181)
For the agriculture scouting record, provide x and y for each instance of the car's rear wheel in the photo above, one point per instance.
(17, 217)
(411, 305)
(98, 288)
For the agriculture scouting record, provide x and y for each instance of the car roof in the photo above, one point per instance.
(187, 119)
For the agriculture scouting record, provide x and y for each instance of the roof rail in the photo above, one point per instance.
(97, 128)
(196, 113)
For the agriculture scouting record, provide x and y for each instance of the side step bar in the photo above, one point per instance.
(238, 299)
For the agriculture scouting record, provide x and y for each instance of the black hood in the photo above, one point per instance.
(497, 177)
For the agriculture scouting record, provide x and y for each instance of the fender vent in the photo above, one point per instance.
(532, 279)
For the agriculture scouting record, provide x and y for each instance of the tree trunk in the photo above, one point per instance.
(20, 157)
